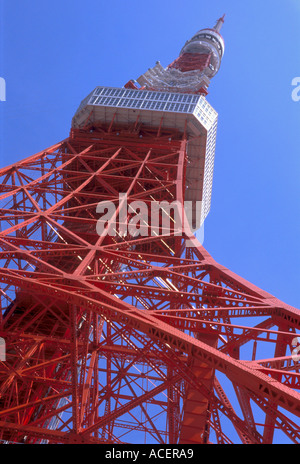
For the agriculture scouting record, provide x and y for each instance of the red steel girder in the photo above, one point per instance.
(109, 338)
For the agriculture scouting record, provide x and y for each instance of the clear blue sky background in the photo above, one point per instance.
(53, 53)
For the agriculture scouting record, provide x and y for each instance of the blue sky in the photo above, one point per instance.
(53, 53)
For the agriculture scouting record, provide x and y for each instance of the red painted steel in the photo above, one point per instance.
(128, 339)
(191, 61)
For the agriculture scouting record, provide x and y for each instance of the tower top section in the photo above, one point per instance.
(170, 98)
(199, 61)
(219, 23)
(205, 43)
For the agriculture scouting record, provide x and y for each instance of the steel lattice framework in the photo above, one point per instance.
(125, 339)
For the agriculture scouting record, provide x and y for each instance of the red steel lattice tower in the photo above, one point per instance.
(126, 336)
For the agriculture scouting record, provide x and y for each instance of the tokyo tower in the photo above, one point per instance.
(118, 326)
